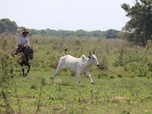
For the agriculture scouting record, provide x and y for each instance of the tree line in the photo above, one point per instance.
(7, 26)
(111, 33)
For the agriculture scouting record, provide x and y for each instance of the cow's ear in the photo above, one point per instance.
(90, 53)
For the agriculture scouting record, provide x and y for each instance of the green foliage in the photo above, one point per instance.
(104, 63)
(139, 26)
(6, 72)
(120, 59)
(80, 33)
(109, 34)
(7, 26)
(122, 83)
(112, 34)
(7, 67)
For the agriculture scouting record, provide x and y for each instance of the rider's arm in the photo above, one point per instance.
(28, 43)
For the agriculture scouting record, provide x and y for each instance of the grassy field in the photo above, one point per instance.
(123, 83)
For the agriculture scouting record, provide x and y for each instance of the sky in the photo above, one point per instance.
(74, 15)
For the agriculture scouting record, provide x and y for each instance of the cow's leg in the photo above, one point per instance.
(56, 73)
(89, 75)
(78, 74)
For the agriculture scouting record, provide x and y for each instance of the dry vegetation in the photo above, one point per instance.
(122, 83)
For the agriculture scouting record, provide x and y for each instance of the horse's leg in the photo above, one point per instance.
(28, 70)
(23, 71)
(11, 71)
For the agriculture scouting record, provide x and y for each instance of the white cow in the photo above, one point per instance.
(77, 65)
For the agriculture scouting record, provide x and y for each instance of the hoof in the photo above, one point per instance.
(51, 78)
(92, 83)
(12, 76)
(24, 75)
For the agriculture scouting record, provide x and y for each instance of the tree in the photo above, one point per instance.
(80, 33)
(7, 26)
(139, 26)
(112, 34)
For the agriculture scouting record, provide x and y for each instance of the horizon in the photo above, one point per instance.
(69, 15)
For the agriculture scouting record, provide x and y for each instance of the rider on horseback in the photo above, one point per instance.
(23, 40)
(24, 50)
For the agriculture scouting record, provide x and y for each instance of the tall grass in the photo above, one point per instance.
(122, 83)
(6, 71)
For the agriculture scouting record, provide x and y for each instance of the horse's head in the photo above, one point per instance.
(30, 52)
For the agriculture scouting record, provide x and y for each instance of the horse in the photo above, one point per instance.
(22, 58)
(26, 54)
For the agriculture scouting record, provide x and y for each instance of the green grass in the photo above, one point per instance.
(107, 95)
(122, 85)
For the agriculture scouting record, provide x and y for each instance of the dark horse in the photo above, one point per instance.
(26, 54)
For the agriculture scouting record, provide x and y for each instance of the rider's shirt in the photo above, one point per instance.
(23, 40)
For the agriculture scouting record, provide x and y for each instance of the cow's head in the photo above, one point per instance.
(93, 58)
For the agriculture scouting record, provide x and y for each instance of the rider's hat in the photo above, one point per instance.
(25, 31)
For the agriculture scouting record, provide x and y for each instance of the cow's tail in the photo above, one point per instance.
(62, 53)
